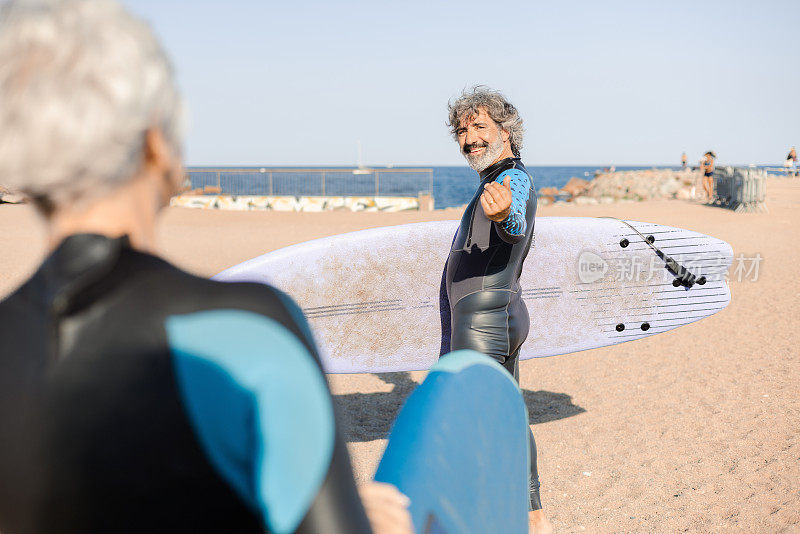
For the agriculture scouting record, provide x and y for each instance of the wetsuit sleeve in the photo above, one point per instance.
(262, 412)
(512, 229)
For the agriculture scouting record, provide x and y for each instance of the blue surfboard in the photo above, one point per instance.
(459, 449)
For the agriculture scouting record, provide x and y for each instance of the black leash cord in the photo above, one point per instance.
(683, 277)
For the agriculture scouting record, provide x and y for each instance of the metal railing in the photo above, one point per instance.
(740, 189)
(789, 171)
(346, 182)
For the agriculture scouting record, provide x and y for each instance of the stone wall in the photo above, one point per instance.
(10, 197)
(304, 204)
(625, 185)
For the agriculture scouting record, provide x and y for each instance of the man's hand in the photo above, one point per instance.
(496, 200)
(387, 508)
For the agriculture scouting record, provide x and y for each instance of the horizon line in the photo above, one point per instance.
(425, 165)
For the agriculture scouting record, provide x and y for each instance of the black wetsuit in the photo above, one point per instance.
(481, 300)
(137, 398)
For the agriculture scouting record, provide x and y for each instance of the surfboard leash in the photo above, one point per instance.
(683, 277)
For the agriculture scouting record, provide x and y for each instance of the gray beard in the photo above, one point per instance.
(492, 152)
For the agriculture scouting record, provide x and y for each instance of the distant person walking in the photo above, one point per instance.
(707, 167)
(791, 162)
(683, 161)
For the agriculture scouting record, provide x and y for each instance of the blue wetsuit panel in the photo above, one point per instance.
(520, 184)
(269, 427)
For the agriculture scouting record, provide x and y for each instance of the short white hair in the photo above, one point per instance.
(81, 82)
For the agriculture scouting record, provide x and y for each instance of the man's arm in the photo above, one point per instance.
(505, 202)
(444, 309)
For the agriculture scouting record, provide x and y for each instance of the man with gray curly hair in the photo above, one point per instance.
(491, 104)
(135, 397)
(481, 304)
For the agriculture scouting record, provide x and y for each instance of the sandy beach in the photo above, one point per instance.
(693, 430)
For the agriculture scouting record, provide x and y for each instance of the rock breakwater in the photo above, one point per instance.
(637, 185)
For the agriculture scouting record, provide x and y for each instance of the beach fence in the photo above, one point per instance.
(310, 189)
(785, 171)
(312, 182)
(741, 189)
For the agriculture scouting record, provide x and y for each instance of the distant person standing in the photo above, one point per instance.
(683, 161)
(791, 161)
(707, 167)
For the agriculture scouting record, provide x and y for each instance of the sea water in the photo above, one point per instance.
(452, 186)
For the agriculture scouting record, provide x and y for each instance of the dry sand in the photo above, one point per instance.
(692, 430)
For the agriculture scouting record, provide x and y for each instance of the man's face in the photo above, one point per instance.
(481, 140)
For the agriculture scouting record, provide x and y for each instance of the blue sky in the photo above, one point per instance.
(597, 83)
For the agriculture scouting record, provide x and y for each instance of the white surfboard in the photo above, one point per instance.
(372, 297)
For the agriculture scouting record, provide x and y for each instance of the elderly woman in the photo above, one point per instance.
(135, 397)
